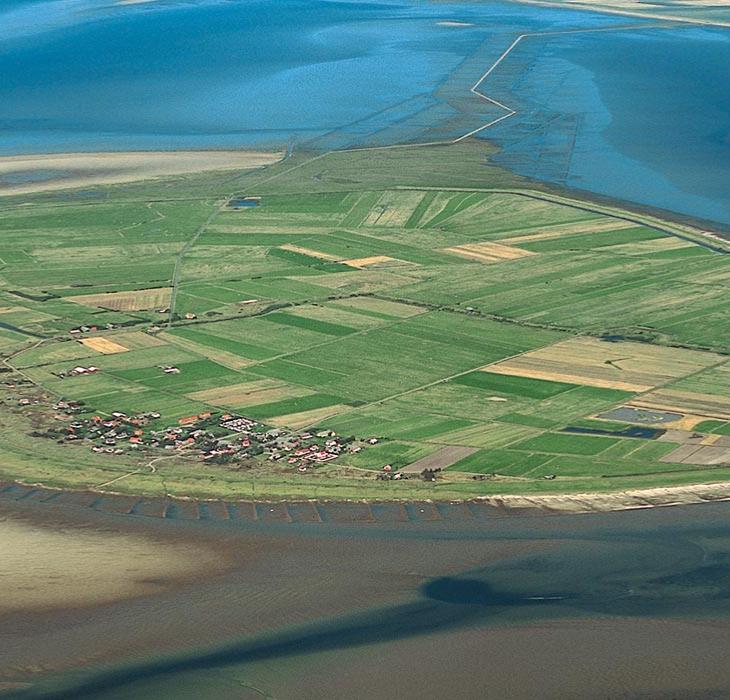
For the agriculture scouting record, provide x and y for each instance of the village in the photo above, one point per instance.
(216, 438)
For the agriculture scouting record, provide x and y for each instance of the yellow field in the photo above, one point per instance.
(136, 300)
(486, 435)
(394, 208)
(304, 419)
(622, 365)
(103, 345)
(372, 260)
(137, 340)
(253, 393)
(227, 359)
(336, 314)
(652, 245)
(597, 226)
(365, 281)
(705, 405)
(488, 252)
(308, 251)
(440, 200)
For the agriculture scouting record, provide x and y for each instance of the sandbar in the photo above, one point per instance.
(48, 566)
(68, 170)
(634, 8)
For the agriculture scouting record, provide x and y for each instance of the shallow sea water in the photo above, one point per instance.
(625, 605)
(640, 114)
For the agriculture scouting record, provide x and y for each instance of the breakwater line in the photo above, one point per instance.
(258, 512)
(478, 512)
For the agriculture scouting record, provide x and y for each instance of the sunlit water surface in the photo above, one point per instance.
(636, 114)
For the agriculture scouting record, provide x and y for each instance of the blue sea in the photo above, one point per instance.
(638, 111)
(640, 115)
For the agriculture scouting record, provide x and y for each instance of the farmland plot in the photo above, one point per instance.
(350, 302)
(613, 365)
(137, 300)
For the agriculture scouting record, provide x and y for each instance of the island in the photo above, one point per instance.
(376, 324)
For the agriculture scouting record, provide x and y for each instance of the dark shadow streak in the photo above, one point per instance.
(448, 603)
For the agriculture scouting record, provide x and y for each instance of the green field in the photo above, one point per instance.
(517, 386)
(367, 323)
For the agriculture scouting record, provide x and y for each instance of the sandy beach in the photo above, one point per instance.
(39, 173)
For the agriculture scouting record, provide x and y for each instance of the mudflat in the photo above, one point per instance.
(487, 606)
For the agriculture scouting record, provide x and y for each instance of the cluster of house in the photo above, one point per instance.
(77, 371)
(91, 369)
(108, 434)
(217, 438)
(300, 450)
(69, 407)
(91, 329)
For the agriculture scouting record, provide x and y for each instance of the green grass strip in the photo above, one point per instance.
(251, 352)
(296, 405)
(515, 386)
(310, 324)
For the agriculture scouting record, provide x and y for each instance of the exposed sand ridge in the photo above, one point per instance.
(69, 170)
(48, 567)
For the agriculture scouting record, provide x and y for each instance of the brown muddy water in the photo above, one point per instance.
(210, 600)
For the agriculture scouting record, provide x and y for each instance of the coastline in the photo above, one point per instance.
(69, 171)
(632, 499)
(672, 223)
(222, 509)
